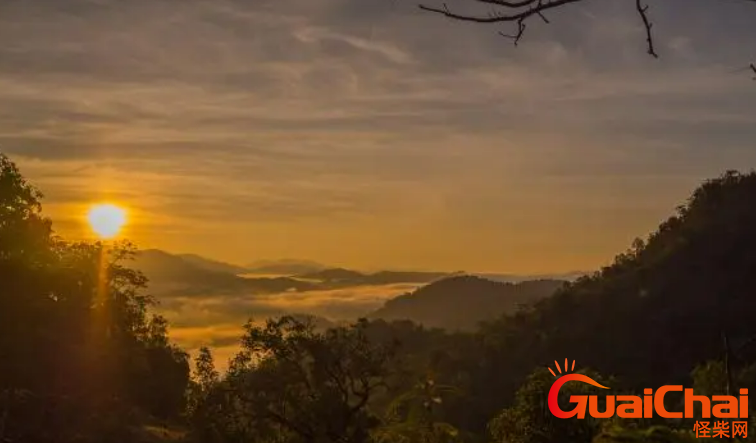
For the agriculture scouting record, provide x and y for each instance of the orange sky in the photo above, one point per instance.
(373, 136)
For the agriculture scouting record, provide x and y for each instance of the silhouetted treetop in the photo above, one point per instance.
(80, 352)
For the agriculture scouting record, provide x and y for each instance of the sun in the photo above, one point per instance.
(106, 220)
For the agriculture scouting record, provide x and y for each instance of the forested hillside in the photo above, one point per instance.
(463, 302)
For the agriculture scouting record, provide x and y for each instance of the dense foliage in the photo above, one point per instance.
(83, 360)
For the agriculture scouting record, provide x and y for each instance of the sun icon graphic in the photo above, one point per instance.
(566, 367)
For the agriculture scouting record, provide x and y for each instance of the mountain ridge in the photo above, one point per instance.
(287, 266)
(212, 264)
(439, 304)
(171, 274)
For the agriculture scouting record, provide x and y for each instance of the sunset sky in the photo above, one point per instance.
(366, 133)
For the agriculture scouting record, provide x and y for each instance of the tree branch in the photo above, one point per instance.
(534, 7)
(520, 31)
(642, 11)
(519, 11)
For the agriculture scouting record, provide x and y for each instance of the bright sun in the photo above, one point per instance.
(106, 220)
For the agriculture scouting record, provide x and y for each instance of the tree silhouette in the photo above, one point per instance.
(529, 420)
(68, 372)
(293, 384)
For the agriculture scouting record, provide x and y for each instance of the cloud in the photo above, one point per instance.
(323, 35)
(337, 304)
(217, 321)
(283, 128)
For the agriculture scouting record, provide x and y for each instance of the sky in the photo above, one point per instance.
(369, 134)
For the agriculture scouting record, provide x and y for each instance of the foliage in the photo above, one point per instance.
(529, 419)
(291, 383)
(654, 434)
(437, 304)
(659, 310)
(205, 379)
(80, 352)
(410, 417)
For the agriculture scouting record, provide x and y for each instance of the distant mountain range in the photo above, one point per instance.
(213, 265)
(171, 274)
(437, 304)
(512, 278)
(346, 277)
(189, 274)
(462, 302)
(452, 301)
(284, 267)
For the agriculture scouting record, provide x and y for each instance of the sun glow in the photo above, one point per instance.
(106, 220)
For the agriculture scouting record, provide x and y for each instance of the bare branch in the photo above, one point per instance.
(534, 7)
(520, 31)
(519, 11)
(642, 10)
(508, 4)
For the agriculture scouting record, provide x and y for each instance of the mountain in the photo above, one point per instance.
(390, 277)
(172, 275)
(335, 276)
(667, 303)
(512, 278)
(462, 302)
(284, 267)
(168, 273)
(213, 265)
(191, 274)
(338, 277)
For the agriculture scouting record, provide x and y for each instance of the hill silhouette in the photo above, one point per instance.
(213, 265)
(667, 302)
(682, 299)
(171, 274)
(337, 277)
(284, 267)
(514, 278)
(462, 302)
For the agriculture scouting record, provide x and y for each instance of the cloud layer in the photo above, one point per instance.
(370, 134)
(216, 321)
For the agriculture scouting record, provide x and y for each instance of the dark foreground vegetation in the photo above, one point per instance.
(82, 359)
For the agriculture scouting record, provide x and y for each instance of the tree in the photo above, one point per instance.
(79, 350)
(530, 421)
(25, 234)
(293, 384)
(710, 378)
(411, 416)
(205, 379)
(520, 12)
(205, 374)
(657, 434)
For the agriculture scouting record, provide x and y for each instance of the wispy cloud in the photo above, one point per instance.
(338, 129)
